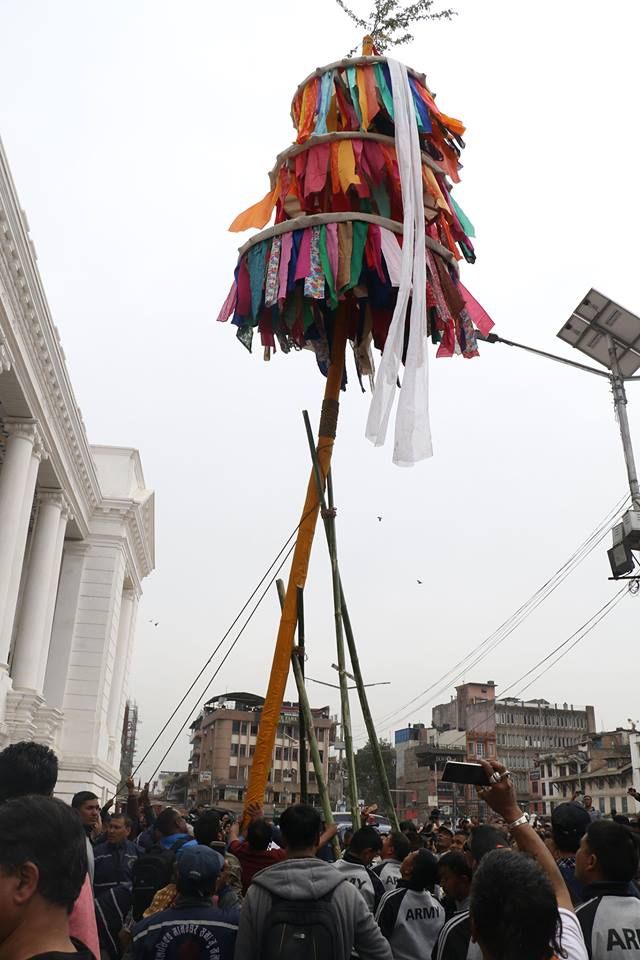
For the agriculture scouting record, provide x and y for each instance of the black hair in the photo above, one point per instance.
(514, 909)
(45, 832)
(27, 768)
(484, 839)
(617, 850)
(300, 826)
(366, 838)
(569, 822)
(128, 822)
(424, 871)
(401, 844)
(167, 822)
(457, 863)
(207, 828)
(84, 796)
(259, 834)
(408, 826)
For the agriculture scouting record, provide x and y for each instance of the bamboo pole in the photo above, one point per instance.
(314, 750)
(298, 574)
(351, 643)
(302, 723)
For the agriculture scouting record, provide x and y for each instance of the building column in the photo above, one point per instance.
(32, 639)
(64, 622)
(65, 517)
(127, 605)
(17, 485)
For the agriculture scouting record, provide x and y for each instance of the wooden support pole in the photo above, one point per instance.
(351, 643)
(302, 726)
(314, 750)
(270, 716)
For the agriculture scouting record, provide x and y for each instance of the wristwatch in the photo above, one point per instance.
(519, 822)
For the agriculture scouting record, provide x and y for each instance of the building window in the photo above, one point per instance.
(534, 786)
(312, 776)
(244, 728)
(235, 726)
(234, 749)
(480, 748)
(601, 804)
(285, 753)
(252, 750)
(243, 750)
(278, 753)
(276, 796)
(254, 729)
(233, 773)
(625, 805)
(294, 753)
(278, 776)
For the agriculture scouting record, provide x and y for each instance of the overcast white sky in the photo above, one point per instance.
(136, 131)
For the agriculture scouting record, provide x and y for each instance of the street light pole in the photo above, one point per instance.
(620, 404)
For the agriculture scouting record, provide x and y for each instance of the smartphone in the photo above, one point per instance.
(456, 772)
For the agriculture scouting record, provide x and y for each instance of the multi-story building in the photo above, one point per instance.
(421, 755)
(223, 739)
(600, 767)
(514, 731)
(76, 538)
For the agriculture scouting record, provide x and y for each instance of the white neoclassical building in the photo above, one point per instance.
(76, 538)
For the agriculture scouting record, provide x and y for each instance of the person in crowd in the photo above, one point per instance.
(607, 864)
(454, 942)
(444, 840)
(87, 806)
(459, 841)
(193, 926)
(454, 876)
(171, 830)
(587, 802)
(410, 917)
(253, 853)
(304, 900)
(520, 906)
(113, 882)
(208, 833)
(43, 865)
(29, 768)
(395, 848)
(355, 865)
(569, 822)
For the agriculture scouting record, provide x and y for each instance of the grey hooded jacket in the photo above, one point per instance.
(310, 879)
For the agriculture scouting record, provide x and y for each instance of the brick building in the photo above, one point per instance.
(223, 739)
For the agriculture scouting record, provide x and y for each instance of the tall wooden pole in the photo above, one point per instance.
(351, 643)
(314, 750)
(299, 567)
(302, 725)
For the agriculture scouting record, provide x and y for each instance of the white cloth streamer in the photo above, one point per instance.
(412, 431)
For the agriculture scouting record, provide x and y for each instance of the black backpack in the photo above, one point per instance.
(151, 872)
(300, 930)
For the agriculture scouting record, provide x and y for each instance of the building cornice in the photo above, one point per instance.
(31, 346)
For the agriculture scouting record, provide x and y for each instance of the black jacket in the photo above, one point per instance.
(610, 921)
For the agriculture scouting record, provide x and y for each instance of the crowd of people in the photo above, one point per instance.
(142, 883)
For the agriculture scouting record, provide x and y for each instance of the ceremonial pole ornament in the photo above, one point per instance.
(365, 248)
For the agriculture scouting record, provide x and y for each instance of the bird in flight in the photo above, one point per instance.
(154, 622)
(379, 519)
(419, 581)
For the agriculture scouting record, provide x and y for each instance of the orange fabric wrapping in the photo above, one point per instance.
(297, 577)
(258, 215)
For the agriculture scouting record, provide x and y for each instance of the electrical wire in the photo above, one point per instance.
(489, 644)
(228, 631)
(203, 692)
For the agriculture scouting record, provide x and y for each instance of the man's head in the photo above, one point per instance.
(207, 829)
(513, 908)
(588, 801)
(87, 806)
(43, 861)
(607, 852)
(569, 823)
(197, 872)
(170, 822)
(366, 844)
(395, 846)
(454, 875)
(259, 834)
(300, 827)
(119, 828)
(27, 768)
(483, 840)
(444, 839)
(459, 840)
(420, 870)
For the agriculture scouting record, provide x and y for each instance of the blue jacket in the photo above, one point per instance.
(113, 865)
(192, 927)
